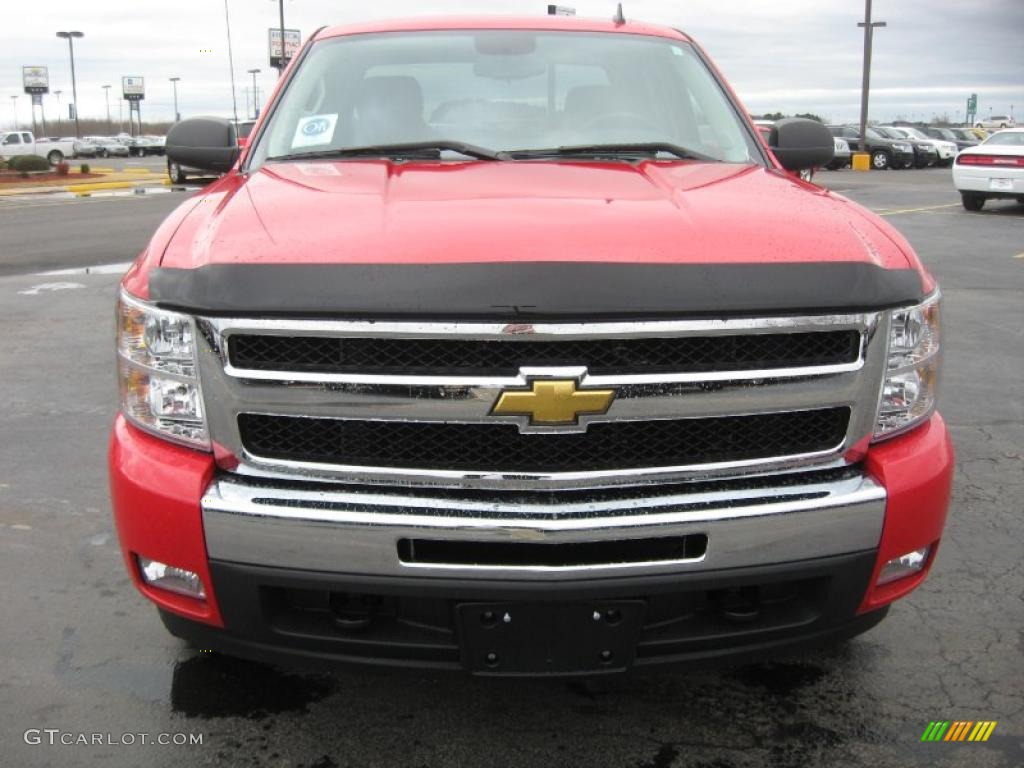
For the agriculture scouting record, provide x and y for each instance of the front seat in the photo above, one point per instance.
(389, 110)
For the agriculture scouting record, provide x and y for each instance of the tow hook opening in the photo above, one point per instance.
(352, 612)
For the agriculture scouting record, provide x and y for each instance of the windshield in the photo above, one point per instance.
(890, 133)
(1006, 138)
(913, 133)
(498, 91)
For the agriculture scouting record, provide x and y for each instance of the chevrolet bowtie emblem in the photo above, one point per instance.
(553, 402)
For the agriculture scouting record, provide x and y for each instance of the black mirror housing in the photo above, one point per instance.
(207, 143)
(799, 143)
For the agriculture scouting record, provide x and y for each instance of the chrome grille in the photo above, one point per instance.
(694, 399)
(505, 357)
(501, 447)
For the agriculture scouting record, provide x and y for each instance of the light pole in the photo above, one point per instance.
(106, 94)
(255, 94)
(869, 28)
(231, 63)
(70, 37)
(14, 106)
(281, 62)
(60, 128)
(174, 82)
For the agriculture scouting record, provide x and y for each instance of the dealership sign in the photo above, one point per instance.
(35, 79)
(292, 40)
(133, 88)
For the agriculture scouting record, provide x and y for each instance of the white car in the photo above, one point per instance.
(996, 123)
(946, 150)
(993, 169)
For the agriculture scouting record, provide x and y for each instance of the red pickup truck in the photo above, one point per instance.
(507, 346)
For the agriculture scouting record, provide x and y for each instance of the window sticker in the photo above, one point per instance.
(315, 130)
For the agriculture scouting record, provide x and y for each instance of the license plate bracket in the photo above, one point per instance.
(1001, 185)
(549, 638)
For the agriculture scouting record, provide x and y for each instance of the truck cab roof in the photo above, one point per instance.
(540, 23)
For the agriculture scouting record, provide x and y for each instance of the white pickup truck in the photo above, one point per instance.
(24, 143)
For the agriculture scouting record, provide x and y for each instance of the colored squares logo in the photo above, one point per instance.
(958, 730)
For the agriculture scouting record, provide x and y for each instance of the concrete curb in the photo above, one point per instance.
(135, 179)
(124, 184)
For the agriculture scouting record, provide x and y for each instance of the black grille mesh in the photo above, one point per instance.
(504, 357)
(500, 447)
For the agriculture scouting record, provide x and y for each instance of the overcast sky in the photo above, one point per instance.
(780, 55)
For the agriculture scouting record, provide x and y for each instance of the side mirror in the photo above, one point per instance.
(207, 143)
(800, 143)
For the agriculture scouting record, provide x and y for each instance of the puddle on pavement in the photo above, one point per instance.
(219, 686)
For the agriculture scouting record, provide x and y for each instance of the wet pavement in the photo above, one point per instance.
(84, 654)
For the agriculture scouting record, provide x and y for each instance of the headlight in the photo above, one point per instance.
(156, 361)
(908, 396)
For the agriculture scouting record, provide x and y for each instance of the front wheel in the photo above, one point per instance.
(55, 157)
(807, 174)
(971, 201)
(880, 160)
(176, 172)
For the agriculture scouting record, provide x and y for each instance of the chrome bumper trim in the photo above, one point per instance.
(357, 532)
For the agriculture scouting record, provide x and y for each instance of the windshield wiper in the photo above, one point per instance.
(404, 149)
(616, 150)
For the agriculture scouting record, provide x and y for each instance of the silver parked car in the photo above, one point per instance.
(86, 148)
(108, 147)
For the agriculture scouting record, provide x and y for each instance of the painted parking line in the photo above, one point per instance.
(897, 211)
(1019, 256)
(98, 269)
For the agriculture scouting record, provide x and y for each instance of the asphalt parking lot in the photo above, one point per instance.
(83, 653)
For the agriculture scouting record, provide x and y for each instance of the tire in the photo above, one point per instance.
(54, 157)
(880, 160)
(175, 171)
(101, 152)
(972, 202)
(807, 175)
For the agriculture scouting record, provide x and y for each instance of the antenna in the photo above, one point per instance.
(619, 18)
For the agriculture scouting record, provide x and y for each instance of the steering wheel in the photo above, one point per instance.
(615, 119)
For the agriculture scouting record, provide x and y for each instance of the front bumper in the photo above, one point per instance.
(273, 554)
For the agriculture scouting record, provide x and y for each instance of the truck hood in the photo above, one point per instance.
(381, 212)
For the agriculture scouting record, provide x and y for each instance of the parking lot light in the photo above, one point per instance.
(255, 94)
(174, 83)
(869, 28)
(70, 37)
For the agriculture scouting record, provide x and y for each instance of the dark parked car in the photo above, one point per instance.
(962, 139)
(885, 152)
(925, 154)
